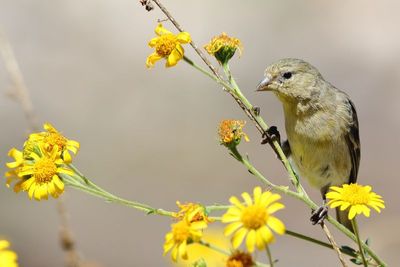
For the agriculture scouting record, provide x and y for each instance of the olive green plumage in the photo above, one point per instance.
(321, 125)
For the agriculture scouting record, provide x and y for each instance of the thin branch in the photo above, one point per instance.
(20, 93)
(333, 243)
(19, 90)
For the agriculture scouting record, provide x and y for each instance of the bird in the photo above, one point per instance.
(321, 125)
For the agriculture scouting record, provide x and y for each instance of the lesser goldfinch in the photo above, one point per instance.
(321, 126)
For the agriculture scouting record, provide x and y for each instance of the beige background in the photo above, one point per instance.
(150, 135)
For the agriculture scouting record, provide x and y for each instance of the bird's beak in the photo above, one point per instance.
(263, 85)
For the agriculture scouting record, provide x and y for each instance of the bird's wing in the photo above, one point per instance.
(353, 143)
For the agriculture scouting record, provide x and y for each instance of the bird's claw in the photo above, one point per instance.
(319, 215)
(270, 135)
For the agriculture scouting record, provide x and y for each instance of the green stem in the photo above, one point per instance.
(306, 200)
(316, 241)
(359, 242)
(257, 174)
(212, 208)
(276, 146)
(98, 192)
(269, 255)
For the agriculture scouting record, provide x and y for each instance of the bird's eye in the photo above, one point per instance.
(287, 75)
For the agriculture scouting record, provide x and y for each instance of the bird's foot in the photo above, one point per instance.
(318, 216)
(270, 135)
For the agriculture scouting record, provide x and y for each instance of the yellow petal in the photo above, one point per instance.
(168, 246)
(183, 37)
(152, 59)
(160, 30)
(73, 146)
(236, 202)
(31, 190)
(232, 228)
(259, 240)
(247, 199)
(238, 237)
(26, 185)
(58, 183)
(276, 225)
(174, 253)
(366, 211)
(266, 234)
(153, 41)
(268, 199)
(275, 207)
(4, 244)
(345, 205)
(67, 157)
(251, 240)
(174, 57)
(182, 250)
(352, 212)
(257, 194)
(227, 218)
(37, 193)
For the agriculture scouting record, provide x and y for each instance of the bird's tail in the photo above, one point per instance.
(342, 217)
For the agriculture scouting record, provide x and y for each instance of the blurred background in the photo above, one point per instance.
(151, 135)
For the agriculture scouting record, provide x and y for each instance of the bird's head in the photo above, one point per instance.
(292, 80)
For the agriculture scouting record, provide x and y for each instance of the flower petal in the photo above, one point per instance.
(238, 237)
(276, 225)
(152, 59)
(160, 30)
(183, 37)
(232, 228)
(251, 240)
(175, 56)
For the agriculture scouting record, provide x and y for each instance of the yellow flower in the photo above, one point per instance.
(223, 47)
(213, 236)
(254, 219)
(356, 197)
(38, 175)
(52, 138)
(195, 211)
(182, 233)
(240, 259)
(8, 258)
(231, 132)
(167, 45)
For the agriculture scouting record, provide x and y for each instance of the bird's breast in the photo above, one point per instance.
(318, 149)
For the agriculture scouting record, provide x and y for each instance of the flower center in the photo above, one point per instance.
(44, 170)
(180, 232)
(56, 139)
(355, 194)
(253, 217)
(165, 45)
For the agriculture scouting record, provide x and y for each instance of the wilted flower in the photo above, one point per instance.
(52, 138)
(195, 211)
(240, 259)
(231, 132)
(223, 47)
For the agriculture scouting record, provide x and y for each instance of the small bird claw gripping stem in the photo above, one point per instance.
(271, 135)
(319, 215)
